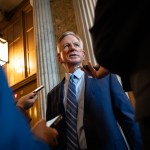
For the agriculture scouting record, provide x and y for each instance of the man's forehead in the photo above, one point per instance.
(69, 38)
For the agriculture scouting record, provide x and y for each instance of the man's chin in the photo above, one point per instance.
(76, 63)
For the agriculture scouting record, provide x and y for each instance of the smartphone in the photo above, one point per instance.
(38, 89)
(54, 122)
(86, 67)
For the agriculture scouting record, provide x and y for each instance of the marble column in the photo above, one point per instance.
(47, 65)
(84, 14)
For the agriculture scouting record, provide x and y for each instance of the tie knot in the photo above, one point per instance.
(72, 77)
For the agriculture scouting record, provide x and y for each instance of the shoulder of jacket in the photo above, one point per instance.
(57, 86)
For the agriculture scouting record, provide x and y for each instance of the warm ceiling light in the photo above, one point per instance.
(3, 51)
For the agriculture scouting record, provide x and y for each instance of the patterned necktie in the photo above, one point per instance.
(71, 116)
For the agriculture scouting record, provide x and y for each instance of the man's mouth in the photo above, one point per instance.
(73, 55)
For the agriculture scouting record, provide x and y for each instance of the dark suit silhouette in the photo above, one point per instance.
(105, 104)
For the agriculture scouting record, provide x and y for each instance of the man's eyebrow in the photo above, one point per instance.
(65, 43)
(76, 42)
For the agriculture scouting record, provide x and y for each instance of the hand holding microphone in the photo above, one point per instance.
(28, 100)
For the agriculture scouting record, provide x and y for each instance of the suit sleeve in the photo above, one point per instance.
(124, 114)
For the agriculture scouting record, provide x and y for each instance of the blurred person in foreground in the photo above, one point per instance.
(121, 40)
(101, 105)
(15, 131)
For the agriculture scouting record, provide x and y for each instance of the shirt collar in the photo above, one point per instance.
(78, 73)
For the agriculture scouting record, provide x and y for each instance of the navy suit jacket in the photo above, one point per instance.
(15, 131)
(105, 105)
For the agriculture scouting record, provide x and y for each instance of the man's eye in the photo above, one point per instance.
(66, 46)
(76, 45)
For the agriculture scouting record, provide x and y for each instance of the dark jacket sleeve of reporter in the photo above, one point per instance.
(15, 130)
(119, 28)
(105, 34)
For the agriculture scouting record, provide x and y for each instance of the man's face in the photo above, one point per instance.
(71, 51)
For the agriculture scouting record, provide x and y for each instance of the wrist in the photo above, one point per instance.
(20, 105)
(24, 112)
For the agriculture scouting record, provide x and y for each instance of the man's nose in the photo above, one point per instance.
(72, 46)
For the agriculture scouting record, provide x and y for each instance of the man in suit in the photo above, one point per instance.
(15, 131)
(102, 104)
(121, 40)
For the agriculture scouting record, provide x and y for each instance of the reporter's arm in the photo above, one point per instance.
(15, 131)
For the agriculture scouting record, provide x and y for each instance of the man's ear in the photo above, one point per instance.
(59, 58)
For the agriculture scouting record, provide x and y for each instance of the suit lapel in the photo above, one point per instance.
(88, 85)
(60, 98)
(87, 98)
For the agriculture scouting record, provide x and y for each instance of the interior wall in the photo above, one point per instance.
(21, 68)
